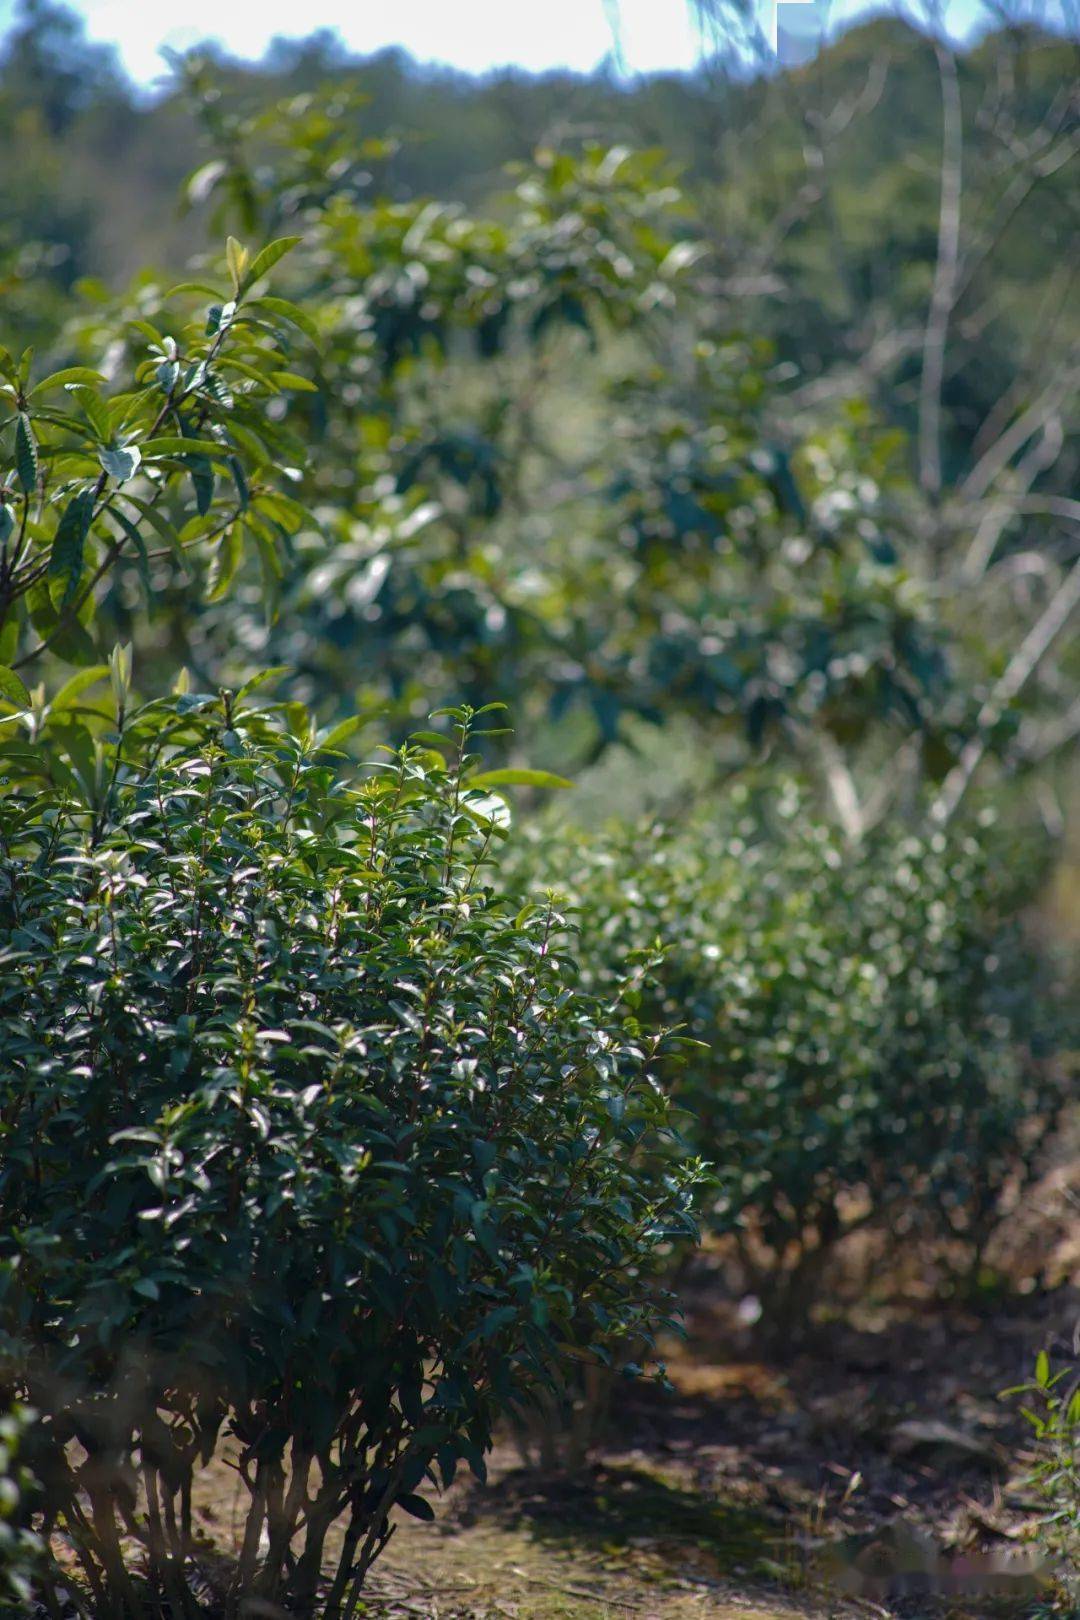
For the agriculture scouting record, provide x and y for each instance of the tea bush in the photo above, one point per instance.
(877, 1043)
(310, 1140)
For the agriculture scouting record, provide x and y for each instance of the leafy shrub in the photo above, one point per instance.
(1054, 1416)
(356, 1162)
(875, 1044)
(20, 1549)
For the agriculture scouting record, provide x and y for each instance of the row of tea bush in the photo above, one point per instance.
(325, 1130)
(871, 1037)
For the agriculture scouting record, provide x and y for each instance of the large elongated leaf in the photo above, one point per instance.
(226, 561)
(293, 380)
(202, 482)
(94, 408)
(154, 518)
(67, 638)
(193, 287)
(66, 557)
(511, 776)
(12, 689)
(26, 460)
(236, 257)
(69, 374)
(168, 446)
(265, 261)
(286, 311)
(76, 686)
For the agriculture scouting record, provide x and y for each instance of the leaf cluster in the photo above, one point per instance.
(190, 455)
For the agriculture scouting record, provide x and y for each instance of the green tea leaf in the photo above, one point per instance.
(511, 776)
(168, 446)
(287, 311)
(202, 482)
(76, 686)
(12, 689)
(336, 735)
(121, 463)
(292, 380)
(226, 560)
(93, 407)
(26, 456)
(70, 374)
(265, 261)
(236, 258)
(66, 557)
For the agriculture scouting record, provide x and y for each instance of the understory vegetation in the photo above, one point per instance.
(537, 717)
(20, 1548)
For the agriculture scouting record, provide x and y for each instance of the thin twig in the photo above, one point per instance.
(1020, 668)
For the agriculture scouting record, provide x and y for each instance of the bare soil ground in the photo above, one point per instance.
(872, 1472)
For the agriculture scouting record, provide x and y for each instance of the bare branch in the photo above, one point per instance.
(1021, 667)
(1043, 453)
(1054, 303)
(841, 785)
(1048, 739)
(1017, 434)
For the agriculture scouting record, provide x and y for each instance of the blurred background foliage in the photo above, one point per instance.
(633, 428)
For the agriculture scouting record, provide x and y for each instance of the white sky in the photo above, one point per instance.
(470, 34)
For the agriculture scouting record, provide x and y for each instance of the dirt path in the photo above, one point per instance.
(491, 1572)
(622, 1540)
(875, 1466)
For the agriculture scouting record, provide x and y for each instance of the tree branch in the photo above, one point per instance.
(1021, 667)
(1043, 453)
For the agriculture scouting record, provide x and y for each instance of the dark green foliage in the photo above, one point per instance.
(355, 1160)
(878, 1035)
(20, 1548)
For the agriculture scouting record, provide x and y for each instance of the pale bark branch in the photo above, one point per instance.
(1043, 453)
(995, 459)
(842, 787)
(1054, 735)
(1021, 667)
